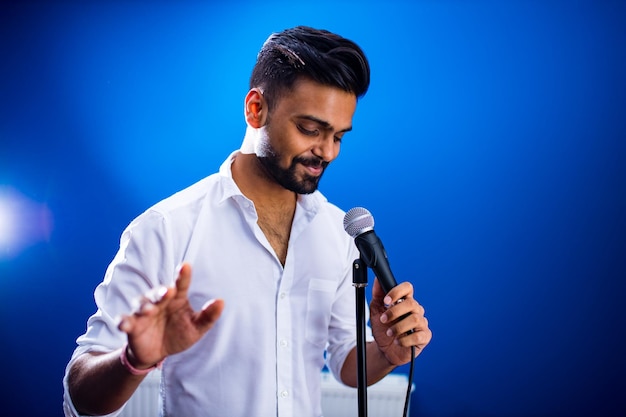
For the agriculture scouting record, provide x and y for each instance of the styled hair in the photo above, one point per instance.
(305, 52)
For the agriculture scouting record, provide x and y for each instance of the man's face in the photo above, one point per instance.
(303, 134)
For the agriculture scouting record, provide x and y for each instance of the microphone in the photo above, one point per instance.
(359, 223)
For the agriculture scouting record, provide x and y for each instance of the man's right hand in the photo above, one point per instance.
(165, 323)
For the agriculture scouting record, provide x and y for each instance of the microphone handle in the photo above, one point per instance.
(374, 255)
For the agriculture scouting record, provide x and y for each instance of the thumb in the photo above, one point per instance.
(377, 290)
(209, 314)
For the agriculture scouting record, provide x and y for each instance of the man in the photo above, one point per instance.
(272, 290)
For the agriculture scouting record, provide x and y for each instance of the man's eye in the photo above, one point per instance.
(339, 137)
(307, 131)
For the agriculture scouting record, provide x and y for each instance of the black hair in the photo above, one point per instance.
(316, 54)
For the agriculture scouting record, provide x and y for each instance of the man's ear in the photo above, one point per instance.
(255, 108)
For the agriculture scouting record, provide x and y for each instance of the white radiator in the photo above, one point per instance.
(145, 401)
(384, 399)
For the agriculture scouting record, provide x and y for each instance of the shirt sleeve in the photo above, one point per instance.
(143, 262)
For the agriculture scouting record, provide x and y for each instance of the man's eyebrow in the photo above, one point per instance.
(323, 123)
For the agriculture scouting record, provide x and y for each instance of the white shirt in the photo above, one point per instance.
(265, 354)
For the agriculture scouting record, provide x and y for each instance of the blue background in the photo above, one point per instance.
(491, 150)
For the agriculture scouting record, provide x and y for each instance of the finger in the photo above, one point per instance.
(402, 309)
(419, 338)
(156, 294)
(126, 324)
(406, 323)
(407, 326)
(418, 335)
(184, 280)
(400, 292)
(403, 327)
(146, 302)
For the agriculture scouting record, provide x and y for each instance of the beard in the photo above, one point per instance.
(288, 178)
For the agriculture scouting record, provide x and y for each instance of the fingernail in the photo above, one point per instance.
(387, 301)
(389, 332)
(162, 291)
(156, 294)
(135, 304)
(384, 318)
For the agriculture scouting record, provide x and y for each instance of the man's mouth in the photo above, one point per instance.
(315, 167)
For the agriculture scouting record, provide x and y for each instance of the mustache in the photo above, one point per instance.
(311, 162)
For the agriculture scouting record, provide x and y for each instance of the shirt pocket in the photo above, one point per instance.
(318, 310)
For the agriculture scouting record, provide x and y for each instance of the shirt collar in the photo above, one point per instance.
(311, 203)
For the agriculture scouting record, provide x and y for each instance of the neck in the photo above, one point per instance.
(250, 140)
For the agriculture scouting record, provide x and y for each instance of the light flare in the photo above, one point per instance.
(23, 222)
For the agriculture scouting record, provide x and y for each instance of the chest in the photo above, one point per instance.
(276, 226)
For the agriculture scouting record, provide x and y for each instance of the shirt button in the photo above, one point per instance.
(283, 343)
(283, 295)
(284, 394)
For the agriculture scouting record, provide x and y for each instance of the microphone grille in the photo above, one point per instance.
(358, 220)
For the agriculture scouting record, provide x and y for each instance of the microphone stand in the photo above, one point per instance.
(359, 280)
